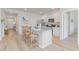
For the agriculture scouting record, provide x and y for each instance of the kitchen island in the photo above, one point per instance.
(44, 37)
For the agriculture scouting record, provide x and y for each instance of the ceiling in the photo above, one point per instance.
(40, 10)
(36, 10)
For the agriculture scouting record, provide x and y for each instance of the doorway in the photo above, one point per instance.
(10, 23)
(72, 22)
(70, 27)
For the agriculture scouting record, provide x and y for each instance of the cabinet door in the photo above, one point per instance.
(56, 31)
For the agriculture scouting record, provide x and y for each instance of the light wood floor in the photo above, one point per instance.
(15, 42)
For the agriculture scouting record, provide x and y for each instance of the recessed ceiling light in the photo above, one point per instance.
(25, 9)
(41, 12)
(52, 8)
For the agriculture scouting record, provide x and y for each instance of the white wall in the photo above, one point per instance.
(71, 22)
(64, 22)
(78, 26)
(54, 14)
(76, 21)
(32, 20)
(31, 17)
(72, 26)
(63, 25)
(0, 30)
(0, 24)
(11, 11)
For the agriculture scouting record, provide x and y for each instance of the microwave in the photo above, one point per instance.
(51, 20)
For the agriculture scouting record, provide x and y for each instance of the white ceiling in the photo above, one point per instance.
(36, 10)
(40, 10)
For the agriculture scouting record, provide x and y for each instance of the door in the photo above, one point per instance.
(65, 25)
(68, 14)
(71, 23)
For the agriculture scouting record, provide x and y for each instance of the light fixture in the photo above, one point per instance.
(41, 12)
(52, 8)
(25, 9)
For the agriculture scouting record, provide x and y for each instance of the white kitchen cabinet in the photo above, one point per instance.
(45, 38)
(56, 31)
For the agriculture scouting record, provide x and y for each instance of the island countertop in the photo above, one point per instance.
(44, 37)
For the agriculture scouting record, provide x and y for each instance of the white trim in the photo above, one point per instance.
(78, 26)
(63, 10)
(0, 26)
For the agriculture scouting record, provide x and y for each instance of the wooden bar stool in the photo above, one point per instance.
(29, 36)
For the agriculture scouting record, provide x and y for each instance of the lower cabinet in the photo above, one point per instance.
(45, 38)
(56, 31)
